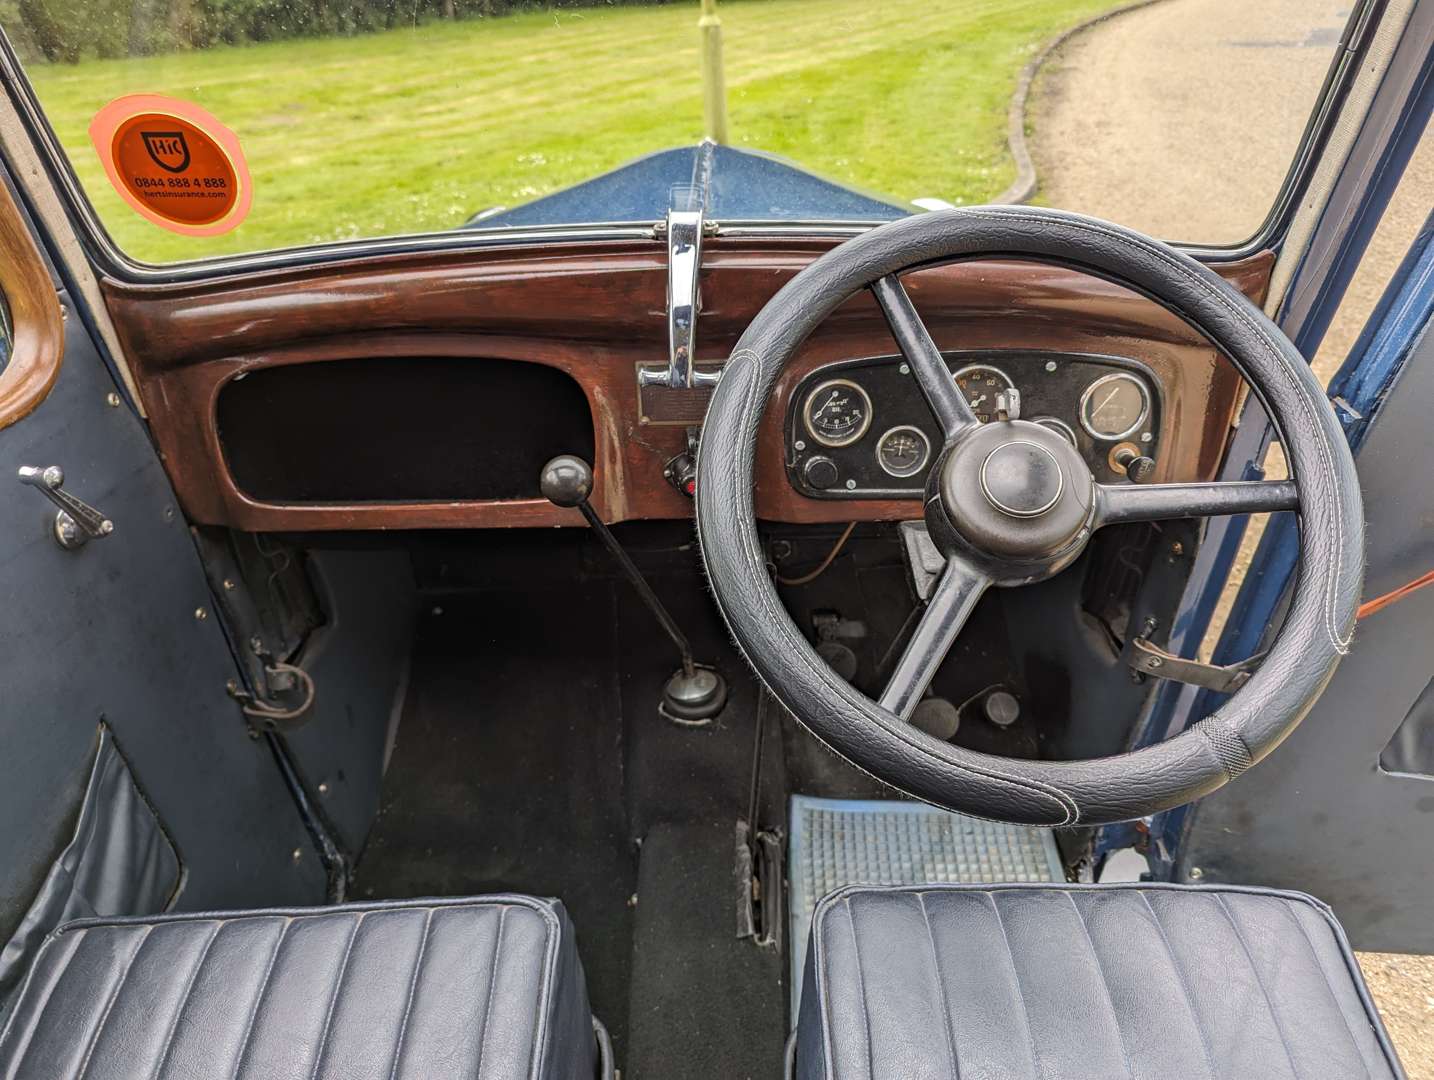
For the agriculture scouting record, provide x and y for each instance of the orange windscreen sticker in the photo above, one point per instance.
(174, 163)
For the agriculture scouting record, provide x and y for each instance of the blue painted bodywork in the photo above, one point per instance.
(1367, 377)
(1358, 391)
(740, 185)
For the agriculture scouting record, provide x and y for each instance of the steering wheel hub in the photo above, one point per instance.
(1022, 479)
(1012, 493)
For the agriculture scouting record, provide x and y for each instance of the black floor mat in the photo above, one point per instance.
(705, 1003)
(507, 774)
(531, 757)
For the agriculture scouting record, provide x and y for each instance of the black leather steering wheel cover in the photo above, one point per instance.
(1321, 615)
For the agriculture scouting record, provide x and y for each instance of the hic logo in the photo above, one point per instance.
(167, 149)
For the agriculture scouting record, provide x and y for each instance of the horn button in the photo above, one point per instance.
(1012, 491)
(1022, 479)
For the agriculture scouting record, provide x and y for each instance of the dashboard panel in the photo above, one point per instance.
(596, 311)
(861, 429)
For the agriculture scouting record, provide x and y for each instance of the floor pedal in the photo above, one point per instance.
(836, 842)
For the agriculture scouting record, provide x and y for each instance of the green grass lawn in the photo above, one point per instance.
(415, 129)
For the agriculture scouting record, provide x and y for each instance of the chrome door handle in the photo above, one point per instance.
(77, 522)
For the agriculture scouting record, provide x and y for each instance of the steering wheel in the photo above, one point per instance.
(1011, 502)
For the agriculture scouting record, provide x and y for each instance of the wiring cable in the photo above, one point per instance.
(822, 566)
(277, 714)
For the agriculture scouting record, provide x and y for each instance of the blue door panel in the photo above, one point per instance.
(114, 632)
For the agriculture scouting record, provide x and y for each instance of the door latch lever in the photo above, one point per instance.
(77, 522)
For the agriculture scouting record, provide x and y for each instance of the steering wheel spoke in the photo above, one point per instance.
(951, 604)
(932, 375)
(1117, 503)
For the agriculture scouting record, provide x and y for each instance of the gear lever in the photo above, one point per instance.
(695, 693)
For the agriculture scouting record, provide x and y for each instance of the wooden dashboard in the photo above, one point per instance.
(597, 311)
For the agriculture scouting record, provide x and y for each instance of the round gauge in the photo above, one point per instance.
(1114, 406)
(837, 412)
(1060, 427)
(903, 451)
(981, 383)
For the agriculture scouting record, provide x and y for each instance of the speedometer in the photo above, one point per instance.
(837, 413)
(981, 383)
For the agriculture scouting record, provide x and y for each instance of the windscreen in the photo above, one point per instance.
(199, 128)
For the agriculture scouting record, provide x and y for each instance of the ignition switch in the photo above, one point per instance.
(681, 471)
(1127, 458)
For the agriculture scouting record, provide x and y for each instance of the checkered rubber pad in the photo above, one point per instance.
(836, 842)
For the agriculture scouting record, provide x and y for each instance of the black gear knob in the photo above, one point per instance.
(566, 480)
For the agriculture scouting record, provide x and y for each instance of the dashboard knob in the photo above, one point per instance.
(1140, 470)
(1128, 459)
(820, 472)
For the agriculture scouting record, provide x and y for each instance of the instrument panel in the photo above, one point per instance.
(861, 429)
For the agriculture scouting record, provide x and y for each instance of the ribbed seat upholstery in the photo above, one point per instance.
(1083, 982)
(481, 988)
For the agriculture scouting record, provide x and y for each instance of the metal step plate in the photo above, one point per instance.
(836, 842)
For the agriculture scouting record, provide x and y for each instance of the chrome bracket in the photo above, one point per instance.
(1150, 659)
(77, 522)
(684, 231)
(1008, 404)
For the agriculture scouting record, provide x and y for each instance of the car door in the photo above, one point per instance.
(129, 781)
(1342, 809)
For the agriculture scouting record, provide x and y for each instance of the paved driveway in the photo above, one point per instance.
(1180, 119)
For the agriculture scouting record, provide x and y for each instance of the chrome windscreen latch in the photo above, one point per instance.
(77, 522)
(684, 232)
(1008, 404)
